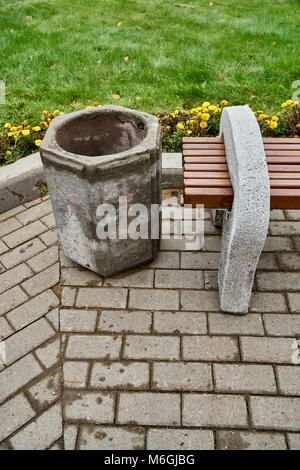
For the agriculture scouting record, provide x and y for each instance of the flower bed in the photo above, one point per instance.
(17, 141)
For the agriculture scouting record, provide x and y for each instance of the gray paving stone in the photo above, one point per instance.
(211, 280)
(50, 238)
(210, 348)
(153, 299)
(182, 376)
(288, 380)
(90, 407)
(34, 213)
(278, 244)
(151, 347)
(192, 323)
(70, 436)
(75, 374)
(224, 324)
(22, 253)
(32, 203)
(46, 392)
(245, 440)
(289, 261)
(142, 278)
(200, 301)
(53, 318)
(9, 226)
(33, 309)
(294, 441)
(284, 228)
(13, 414)
(183, 244)
(7, 214)
(5, 329)
(200, 260)
(94, 347)
(14, 276)
(24, 234)
(276, 413)
(282, 325)
(297, 243)
(27, 340)
(273, 350)
(180, 439)
(150, 409)
(294, 302)
(212, 243)
(277, 215)
(80, 277)
(120, 321)
(11, 299)
(18, 375)
(102, 297)
(42, 432)
(49, 220)
(292, 215)
(179, 279)
(244, 378)
(267, 262)
(43, 260)
(214, 410)
(268, 302)
(120, 375)
(49, 353)
(78, 320)
(111, 438)
(3, 247)
(166, 260)
(68, 296)
(278, 281)
(42, 281)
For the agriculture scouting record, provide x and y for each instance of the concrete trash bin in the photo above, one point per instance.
(103, 170)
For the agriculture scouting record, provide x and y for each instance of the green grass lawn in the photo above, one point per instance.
(66, 54)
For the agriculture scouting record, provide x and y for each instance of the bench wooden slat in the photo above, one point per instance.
(226, 183)
(223, 167)
(266, 140)
(218, 152)
(285, 147)
(201, 174)
(211, 159)
(222, 198)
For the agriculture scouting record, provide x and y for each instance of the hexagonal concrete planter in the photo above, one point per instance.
(91, 158)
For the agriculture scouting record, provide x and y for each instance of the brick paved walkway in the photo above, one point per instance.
(145, 360)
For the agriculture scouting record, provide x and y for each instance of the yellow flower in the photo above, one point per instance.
(206, 104)
(205, 116)
(188, 132)
(37, 142)
(14, 128)
(203, 124)
(289, 102)
(89, 107)
(180, 125)
(61, 113)
(297, 126)
(284, 105)
(275, 118)
(7, 125)
(25, 132)
(205, 110)
(36, 129)
(96, 103)
(25, 123)
(16, 135)
(10, 134)
(223, 103)
(8, 152)
(199, 115)
(273, 124)
(296, 137)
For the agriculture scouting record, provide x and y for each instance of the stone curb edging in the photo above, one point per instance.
(22, 181)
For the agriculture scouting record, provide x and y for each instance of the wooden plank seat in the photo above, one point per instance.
(207, 180)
